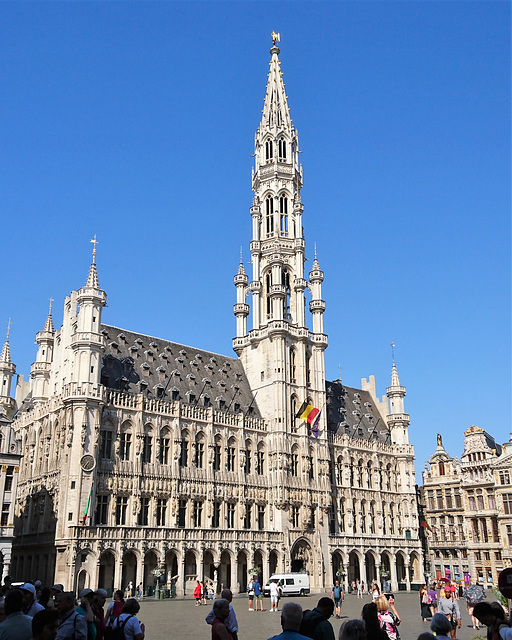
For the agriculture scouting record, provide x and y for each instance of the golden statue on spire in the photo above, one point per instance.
(276, 37)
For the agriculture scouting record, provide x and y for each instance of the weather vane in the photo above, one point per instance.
(393, 345)
(95, 242)
(276, 37)
(8, 328)
(50, 309)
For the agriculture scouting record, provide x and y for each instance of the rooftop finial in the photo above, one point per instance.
(393, 345)
(8, 328)
(315, 250)
(50, 309)
(276, 37)
(95, 242)
(241, 258)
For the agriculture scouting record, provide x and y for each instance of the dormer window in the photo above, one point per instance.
(145, 366)
(213, 360)
(159, 390)
(161, 369)
(154, 345)
(191, 376)
(194, 363)
(222, 403)
(121, 337)
(183, 352)
(133, 348)
(199, 356)
(191, 397)
(164, 356)
(139, 341)
(206, 401)
(180, 360)
(175, 394)
(168, 349)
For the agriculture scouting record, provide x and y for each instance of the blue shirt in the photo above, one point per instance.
(289, 635)
(231, 623)
(17, 626)
(257, 588)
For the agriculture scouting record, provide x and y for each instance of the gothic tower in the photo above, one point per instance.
(283, 359)
(7, 370)
(398, 421)
(41, 368)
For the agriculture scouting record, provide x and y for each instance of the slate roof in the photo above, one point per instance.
(353, 412)
(135, 362)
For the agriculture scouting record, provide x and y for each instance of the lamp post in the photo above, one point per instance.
(157, 573)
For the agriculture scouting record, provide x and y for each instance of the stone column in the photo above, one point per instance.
(234, 574)
(407, 577)
(393, 577)
(363, 572)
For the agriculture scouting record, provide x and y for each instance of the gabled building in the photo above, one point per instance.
(144, 454)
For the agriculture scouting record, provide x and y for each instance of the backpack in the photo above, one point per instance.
(117, 632)
(389, 627)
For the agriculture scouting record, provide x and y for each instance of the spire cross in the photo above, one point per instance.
(393, 345)
(8, 328)
(94, 242)
(50, 309)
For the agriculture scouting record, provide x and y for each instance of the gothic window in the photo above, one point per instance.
(294, 466)
(369, 473)
(283, 214)
(261, 517)
(351, 472)
(269, 215)
(101, 515)
(308, 369)
(247, 517)
(106, 444)
(269, 150)
(230, 457)
(268, 285)
(260, 462)
(360, 473)
(163, 454)
(247, 466)
(216, 515)
(342, 515)
(182, 513)
(293, 367)
(282, 149)
(230, 518)
(197, 513)
(293, 409)
(372, 517)
(199, 455)
(161, 511)
(183, 461)
(311, 466)
(285, 281)
(216, 457)
(388, 477)
(121, 507)
(147, 448)
(295, 517)
(143, 516)
(125, 442)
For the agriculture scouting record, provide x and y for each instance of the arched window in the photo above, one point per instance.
(199, 452)
(268, 285)
(308, 369)
(285, 281)
(165, 441)
(283, 212)
(282, 149)
(294, 462)
(269, 150)
(293, 366)
(269, 215)
(293, 413)
(184, 450)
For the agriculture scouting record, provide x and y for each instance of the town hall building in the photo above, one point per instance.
(144, 456)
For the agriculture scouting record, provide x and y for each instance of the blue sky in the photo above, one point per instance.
(135, 121)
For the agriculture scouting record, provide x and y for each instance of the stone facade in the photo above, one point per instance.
(141, 454)
(467, 508)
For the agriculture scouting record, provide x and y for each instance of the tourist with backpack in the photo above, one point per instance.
(338, 597)
(315, 623)
(388, 621)
(127, 626)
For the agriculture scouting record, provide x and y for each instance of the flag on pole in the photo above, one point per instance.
(314, 426)
(87, 506)
(307, 412)
(424, 523)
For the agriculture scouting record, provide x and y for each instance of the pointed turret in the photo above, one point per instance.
(7, 370)
(276, 113)
(40, 370)
(317, 305)
(398, 421)
(87, 341)
(241, 309)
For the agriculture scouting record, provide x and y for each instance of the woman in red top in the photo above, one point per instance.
(198, 593)
(115, 608)
(221, 612)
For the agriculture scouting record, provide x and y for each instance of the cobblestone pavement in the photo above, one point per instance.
(180, 619)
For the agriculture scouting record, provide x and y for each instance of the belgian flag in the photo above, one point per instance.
(307, 412)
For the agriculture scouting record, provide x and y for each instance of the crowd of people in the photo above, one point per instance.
(33, 612)
(379, 618)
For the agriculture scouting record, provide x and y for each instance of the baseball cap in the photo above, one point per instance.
(58, 587)
(29, 587)
(85, 592)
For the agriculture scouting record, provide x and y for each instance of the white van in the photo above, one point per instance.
(290, 584)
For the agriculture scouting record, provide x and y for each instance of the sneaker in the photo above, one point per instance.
(251, 609)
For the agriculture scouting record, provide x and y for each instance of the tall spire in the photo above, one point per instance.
(92, 278)
(276, 113)
(6, 351)
(48, 326)
(395, 380)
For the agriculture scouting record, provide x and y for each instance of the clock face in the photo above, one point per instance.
(87, 462)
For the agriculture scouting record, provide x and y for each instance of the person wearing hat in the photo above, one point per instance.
(72, 625)
(440, 626)
(30, 605)
(86, 598)
(55, 591)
